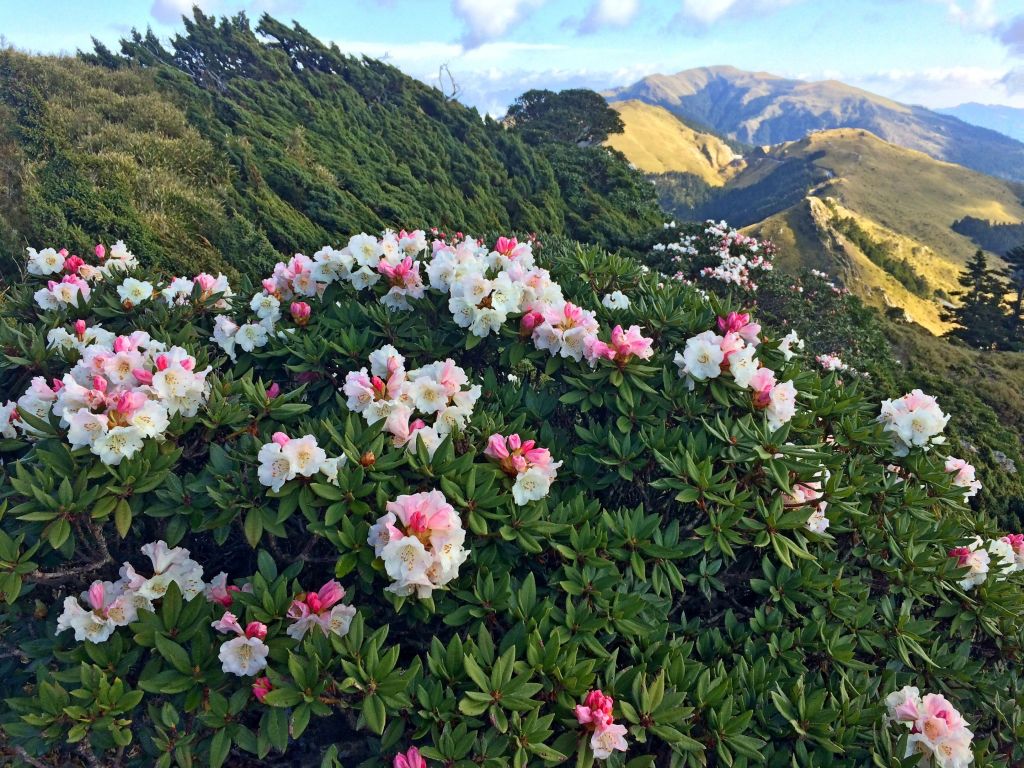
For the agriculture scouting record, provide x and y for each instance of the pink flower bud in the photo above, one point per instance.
(410, 759)
(273, 390)
(58, 385)
(301, 312)
(80, 327)
(96, 594)
(506, 245)
(142, 376)
(73, 264)
(101, 252)
(270, 285)
(530, 321)
(162, 362)
(63, 252)
(122, 344)
(205, 282)
(280, 438)
(99, 383)
(261, 687)
(256, 629)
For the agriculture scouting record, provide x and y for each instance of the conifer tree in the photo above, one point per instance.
(981, 317)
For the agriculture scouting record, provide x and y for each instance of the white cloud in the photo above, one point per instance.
(490, 19)
(942, 86)
(710, 11)
(171, 11)
(978, 15)
(609, 13)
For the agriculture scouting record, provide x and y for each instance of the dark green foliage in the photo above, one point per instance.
(575, 116)
(996, 237)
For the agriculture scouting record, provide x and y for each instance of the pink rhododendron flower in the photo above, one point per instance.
(533, 468)
(321, 609)
(409, 759)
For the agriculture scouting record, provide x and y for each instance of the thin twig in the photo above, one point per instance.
(20, 752)
(66, 574)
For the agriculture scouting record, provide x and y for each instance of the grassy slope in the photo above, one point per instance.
(656, 141)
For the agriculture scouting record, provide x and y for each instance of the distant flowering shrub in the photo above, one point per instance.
(425, 501)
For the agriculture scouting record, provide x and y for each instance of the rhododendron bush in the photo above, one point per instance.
(419, 500)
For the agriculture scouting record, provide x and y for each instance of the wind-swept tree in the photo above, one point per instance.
(575, 116)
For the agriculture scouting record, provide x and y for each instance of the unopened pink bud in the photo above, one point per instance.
(273, 390)
(301, 312)
(99, 383)
(101, 252)
(281, 439)
(256, 629)
(162, 362)
(80, 327)
(96, 595)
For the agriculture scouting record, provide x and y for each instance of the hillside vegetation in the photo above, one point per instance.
(761, 108)
(237, 142)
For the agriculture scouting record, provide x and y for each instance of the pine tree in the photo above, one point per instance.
(1015, 259)
(981, 318)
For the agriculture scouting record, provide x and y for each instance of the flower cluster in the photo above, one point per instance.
(532, 467)
(707, 355)
(963, 476)
(484, 288)
(937, 730)
(387, 392)
(122, 390)
(831, 363)
(179, 291)
(739, 255)
(73, 289)
(1005, 554)
(116, 604)
(246, 654)
(420, 539)
(595, 715)
(285, 458)
(321, 609)
(914, 421)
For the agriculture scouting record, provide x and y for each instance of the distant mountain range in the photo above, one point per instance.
(760, 108)
(1006, 120)
(875, 215)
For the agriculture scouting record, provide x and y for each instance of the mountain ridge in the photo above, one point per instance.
(761, 108)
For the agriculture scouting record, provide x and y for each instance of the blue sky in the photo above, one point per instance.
(932, 52)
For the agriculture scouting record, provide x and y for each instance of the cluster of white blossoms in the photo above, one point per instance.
(74, 289)
(285, 458)
(1001, 556)
(387, 392)
(532, 467)
(708, 355)
(179, 291)
(116, 604)
(963, 476)
(420, 539)
(484, 288)
(740, 256)
(122, 390)
(938, 731)
(914, 421)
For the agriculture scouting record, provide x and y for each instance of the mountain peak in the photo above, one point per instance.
(761, 108)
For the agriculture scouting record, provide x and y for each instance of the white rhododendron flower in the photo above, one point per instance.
(914, 421)
(420, 540)
(133, 292)
(45, 262)
(615, 300)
